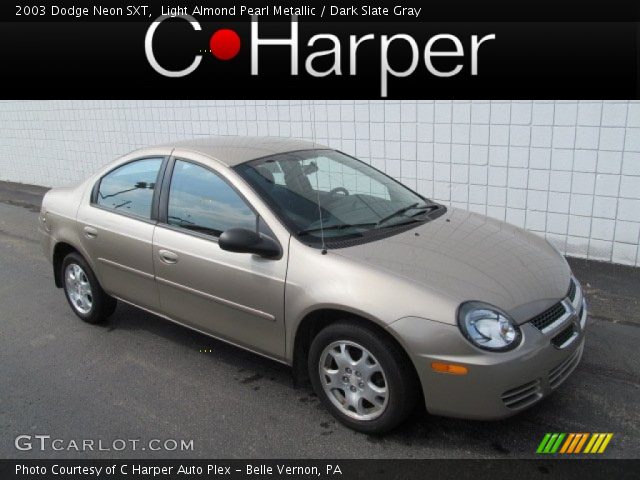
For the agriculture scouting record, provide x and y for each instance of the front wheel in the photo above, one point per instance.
(363, 378)
(85, 295)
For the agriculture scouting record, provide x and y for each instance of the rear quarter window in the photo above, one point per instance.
(129, 188)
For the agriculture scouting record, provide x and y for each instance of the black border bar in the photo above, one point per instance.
(543, 468)
(458, 10)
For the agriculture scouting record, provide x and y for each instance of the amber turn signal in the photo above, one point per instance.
(449, 368)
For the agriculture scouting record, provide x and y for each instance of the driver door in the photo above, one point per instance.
(235, 296)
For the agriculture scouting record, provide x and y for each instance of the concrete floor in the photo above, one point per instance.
(140, 377)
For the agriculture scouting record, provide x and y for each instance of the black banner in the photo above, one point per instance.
(320, 469)
(259, 50)
(355, 10)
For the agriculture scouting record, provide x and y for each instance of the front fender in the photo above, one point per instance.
(331, 281)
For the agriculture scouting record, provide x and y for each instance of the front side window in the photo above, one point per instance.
(129, 188)
(325, 192)
(202, 201)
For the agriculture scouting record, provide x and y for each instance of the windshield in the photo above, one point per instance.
(325, 190)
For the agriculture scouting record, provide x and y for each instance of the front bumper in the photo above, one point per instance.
(497, 385)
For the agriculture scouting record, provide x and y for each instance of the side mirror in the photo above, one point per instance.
(243, 240)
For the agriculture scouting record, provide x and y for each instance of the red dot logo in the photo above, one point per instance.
(224, 44)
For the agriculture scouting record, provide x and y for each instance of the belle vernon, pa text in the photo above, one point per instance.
(153, 471)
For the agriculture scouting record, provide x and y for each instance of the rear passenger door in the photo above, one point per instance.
(238, 297)
(116, 229)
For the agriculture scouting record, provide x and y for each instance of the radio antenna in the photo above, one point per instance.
(312, 120)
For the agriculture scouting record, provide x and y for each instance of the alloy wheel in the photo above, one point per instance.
(78, 288)
(353, 380)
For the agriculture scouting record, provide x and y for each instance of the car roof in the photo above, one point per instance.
(234, 150)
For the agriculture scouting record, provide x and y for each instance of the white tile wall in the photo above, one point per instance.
(568, 170)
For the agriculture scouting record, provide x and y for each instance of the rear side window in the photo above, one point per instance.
(202, 201)
(129, 188)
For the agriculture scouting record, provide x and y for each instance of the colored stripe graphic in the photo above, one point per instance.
(550, 443)
(567, 442)
(556, 446)
(599, 443)
(573, 443)
(543, 443)
(576, 439)
(581, 442)
(606, 441)
(592, 441)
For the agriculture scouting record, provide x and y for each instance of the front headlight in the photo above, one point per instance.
(487, 327)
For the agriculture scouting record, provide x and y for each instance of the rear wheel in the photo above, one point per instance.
(85, 295)
(363, 378)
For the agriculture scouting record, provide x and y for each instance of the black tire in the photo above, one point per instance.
(401, 384)
(102, 305)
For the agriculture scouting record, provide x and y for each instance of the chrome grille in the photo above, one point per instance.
(522, 396)
(564, 336)
(557, 316)
(549, 316)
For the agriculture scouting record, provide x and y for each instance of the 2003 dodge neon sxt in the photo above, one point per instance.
(308, 256)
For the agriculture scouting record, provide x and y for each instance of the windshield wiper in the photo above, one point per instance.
(426, 208)
(345, 226)
(413, 206)
(342, 226)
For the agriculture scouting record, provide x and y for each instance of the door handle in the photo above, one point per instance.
(168, 257)
(90, 232)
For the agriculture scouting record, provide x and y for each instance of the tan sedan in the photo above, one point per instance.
(305, 255)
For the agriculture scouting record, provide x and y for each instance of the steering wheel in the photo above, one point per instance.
(342, 190)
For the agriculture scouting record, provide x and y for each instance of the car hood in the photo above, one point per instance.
(467, 256)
